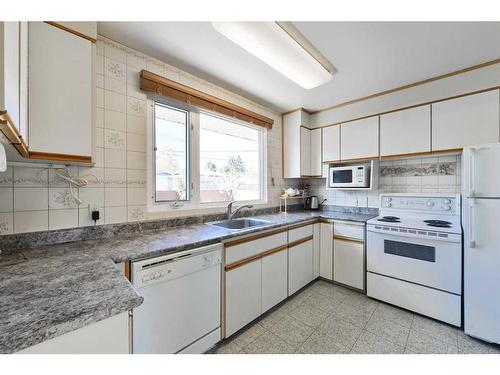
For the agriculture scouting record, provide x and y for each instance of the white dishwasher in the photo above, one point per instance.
(182, 298)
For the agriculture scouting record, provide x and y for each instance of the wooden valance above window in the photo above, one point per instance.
(165, 87)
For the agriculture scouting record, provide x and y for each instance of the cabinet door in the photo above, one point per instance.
(316, 250)
(274, 279)
(359, 139)
(300, 266)
(243, 296)
(331, 143)
(305, 151)
(407, 131)
(291, 145)
(9, 65)
(348, 262)
(326, 251)
(466, 121)
(60, 91)
(315, 152)
(108, 336)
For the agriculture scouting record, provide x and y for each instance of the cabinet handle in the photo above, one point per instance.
(348, 239)
(298, 242)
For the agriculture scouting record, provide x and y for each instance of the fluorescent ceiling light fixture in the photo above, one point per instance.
(281, 46)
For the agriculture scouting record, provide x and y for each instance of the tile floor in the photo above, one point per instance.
(326, 318)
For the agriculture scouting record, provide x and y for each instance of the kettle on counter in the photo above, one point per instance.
(312, 203)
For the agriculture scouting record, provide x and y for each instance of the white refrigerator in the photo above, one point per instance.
(481, 225)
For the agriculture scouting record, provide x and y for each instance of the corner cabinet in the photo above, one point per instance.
(465, 121)
(406, 132)
(61, 85)
(301, 146)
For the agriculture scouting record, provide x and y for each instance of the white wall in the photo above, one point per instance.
(32, 199)
(471, 81)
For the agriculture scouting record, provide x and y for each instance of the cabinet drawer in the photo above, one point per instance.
(342, 229)
(243, 248)
(300, 232)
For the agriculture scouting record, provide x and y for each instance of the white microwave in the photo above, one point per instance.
(355, 176)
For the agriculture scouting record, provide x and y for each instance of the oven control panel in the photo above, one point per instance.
(448, 205)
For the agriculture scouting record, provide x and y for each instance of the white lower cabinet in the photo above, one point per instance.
(349, 254)
(108, 336)
(300, 265)
(274, 279)
(243, 295)
(348, 263)
(316, 249)
(326, 251)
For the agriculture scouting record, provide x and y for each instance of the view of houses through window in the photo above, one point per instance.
(229, 154)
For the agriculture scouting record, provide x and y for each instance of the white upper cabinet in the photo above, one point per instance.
(61, 87)
(9, 72)
(297, 145)
(405, 132)
(331, 143)
(465, 121)
(359, 139)
(14, 83)
(315, 169)
(305, 151)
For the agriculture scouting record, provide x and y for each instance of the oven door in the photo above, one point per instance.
(429, 262)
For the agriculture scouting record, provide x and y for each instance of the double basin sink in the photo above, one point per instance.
(239, 224)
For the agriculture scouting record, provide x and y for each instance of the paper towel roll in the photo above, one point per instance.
(3, 158)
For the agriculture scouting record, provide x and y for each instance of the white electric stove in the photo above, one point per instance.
(414, 254)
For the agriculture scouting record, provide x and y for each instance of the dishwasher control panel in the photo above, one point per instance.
(161, 269)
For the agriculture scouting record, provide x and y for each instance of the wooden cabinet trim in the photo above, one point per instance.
(253, 258)
(9, 129)
(273, 251)
(37, 155)
(305, 224)
(410, 106)
(348, 239)
(301, 241)
(254, 237)
(165, 87)
(69, 30)
(425, 153)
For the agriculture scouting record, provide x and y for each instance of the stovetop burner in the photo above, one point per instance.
(390, 219)
(438, 223)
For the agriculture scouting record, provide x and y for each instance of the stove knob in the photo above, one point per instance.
(388, 199)
(388, 204)
(430, 203)
(446, 201)
(446, 208)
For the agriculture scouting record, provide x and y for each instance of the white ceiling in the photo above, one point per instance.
(369, 56)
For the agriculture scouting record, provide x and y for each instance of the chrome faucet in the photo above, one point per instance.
(231, 213)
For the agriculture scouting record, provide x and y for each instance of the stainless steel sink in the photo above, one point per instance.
(238, 224)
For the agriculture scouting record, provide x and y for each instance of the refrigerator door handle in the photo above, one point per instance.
(472, 224)
(472, 155)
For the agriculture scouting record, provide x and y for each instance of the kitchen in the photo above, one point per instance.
(290, 200)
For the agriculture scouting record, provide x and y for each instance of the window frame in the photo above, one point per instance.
(194, 202)
(188, 156)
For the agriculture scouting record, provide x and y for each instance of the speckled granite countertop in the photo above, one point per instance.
(63, 287)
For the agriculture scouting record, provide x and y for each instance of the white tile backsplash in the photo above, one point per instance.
(404, 176)
(33, 199)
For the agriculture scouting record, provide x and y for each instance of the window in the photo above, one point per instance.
(202, 159)
(171, 154)
(229, 161)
